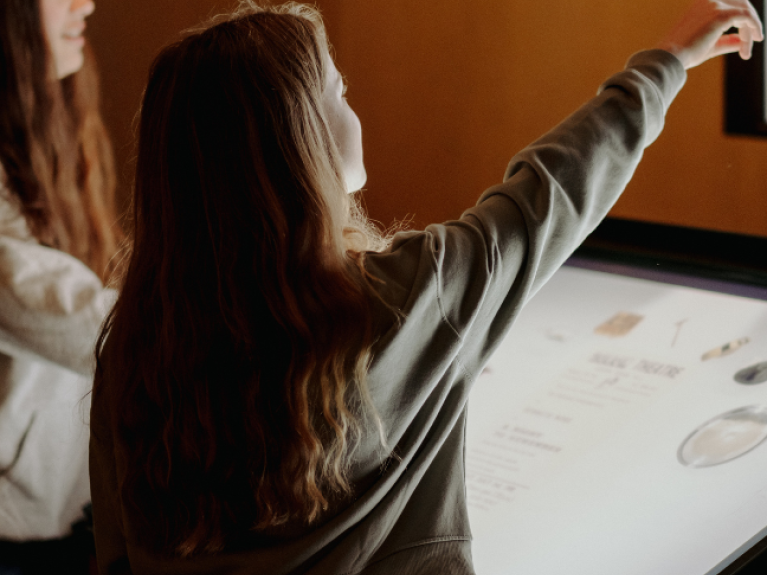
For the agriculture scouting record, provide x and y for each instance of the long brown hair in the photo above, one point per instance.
(236, 355)
(54, 150)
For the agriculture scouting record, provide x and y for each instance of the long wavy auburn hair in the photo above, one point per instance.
(54, 150)
(236, 355)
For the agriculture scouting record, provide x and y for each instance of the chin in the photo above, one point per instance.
(72, 65)
(356, 183)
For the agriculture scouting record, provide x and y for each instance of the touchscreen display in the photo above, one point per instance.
(621, 427)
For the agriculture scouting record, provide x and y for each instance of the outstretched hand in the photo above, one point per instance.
(701, 33)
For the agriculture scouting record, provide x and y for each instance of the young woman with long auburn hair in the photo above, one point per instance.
(279, 389)
(58, 235)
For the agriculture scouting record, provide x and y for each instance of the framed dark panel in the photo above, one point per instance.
(745, 89)
(738, 263)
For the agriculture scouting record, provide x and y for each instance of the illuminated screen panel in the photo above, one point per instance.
(620, 428)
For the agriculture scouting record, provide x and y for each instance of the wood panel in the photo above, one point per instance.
(448, 90)
(126, 36)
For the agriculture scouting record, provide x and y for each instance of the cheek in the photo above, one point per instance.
(356, 173)
(53, 14)
(352, 135)
(347, 132)
(66, 53)
(357, 130)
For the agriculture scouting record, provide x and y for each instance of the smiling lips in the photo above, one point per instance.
(75, 32)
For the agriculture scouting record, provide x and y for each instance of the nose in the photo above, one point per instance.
(82, 8)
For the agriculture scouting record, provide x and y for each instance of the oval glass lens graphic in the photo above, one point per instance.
(753, 374)
(725, 438)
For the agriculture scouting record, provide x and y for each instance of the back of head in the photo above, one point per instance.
(55, 155)
(233, 140)
(243, 331)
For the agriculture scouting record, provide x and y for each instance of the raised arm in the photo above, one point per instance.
(560, 187)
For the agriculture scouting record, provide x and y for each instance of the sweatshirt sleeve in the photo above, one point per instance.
(486, 265)
(51, 304)
(565, 183)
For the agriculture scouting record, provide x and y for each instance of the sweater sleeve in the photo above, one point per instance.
(51, 304)
(486, 265)
(565, 183)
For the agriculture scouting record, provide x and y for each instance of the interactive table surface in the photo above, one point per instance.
(620, 427)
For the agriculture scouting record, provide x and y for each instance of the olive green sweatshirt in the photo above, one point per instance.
(459, 286)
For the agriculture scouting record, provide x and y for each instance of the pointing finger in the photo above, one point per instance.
(746, 42)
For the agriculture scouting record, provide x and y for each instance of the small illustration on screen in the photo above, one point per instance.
(726, 349)
(725, 438)
(752, 374)
(619, 325)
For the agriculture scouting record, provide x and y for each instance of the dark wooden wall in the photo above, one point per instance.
(126, 35)
(448, 90)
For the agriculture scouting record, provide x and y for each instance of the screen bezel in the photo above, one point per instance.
(717, 261)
